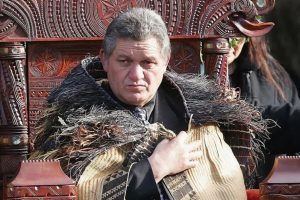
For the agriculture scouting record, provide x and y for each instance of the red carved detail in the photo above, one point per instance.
(185, 59)
(46, 62)
(107, 10)
(48, 67)
(51, 181)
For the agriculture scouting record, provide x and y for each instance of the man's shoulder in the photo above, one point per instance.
(90, 60)
(94, 67)
(79, 81)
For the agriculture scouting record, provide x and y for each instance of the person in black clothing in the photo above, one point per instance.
(264, 83)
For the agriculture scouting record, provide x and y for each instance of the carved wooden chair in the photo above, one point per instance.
(41, 41)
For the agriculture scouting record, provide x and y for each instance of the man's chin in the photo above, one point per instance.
(138, 101)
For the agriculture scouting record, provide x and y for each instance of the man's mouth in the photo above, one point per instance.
(136, 87)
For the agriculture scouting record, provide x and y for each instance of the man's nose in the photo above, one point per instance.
(136, 72)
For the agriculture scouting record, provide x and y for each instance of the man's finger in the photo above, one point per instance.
(195, 155)
(194, 145)
(182, 136)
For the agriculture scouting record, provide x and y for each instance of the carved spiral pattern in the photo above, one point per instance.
(7, 27)
(209, 19)
(14, 101)
(245, 6)
(226, 30)
(84, 19)
(212, 20)
(25, 14)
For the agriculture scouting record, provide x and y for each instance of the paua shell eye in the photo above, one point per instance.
(261, 3)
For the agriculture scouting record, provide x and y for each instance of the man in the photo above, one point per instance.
(126, 137)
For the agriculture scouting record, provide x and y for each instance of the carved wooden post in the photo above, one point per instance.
(13, 110)
(215, 54)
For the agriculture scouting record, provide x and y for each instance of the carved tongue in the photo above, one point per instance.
(252, 29)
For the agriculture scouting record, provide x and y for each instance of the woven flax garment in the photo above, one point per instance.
(217, 176)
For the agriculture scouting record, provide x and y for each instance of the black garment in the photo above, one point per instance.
(168, 109)
(141, 183)
(254, 88)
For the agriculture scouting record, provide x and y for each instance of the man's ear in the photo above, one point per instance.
(103, 59)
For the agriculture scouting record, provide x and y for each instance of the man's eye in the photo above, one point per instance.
(148, 63)
(124, 61)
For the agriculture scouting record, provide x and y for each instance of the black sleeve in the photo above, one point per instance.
(285, 138)
(141, 182)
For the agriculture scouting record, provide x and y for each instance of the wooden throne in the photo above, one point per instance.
(42, 40)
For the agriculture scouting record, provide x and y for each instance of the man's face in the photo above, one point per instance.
(135, 70)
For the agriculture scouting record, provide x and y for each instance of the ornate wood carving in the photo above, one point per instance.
(215, 51)
(13, 110)
(283, 182)
(47, 19)
(13, 149)
(185, 56)
(50, 182)
(13, 85)
(48, 64)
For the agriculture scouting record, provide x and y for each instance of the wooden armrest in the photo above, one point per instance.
(41, 178)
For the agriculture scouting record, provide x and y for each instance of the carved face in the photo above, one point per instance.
(135, 70)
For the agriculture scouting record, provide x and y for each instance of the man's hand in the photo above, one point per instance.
(174, 156)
